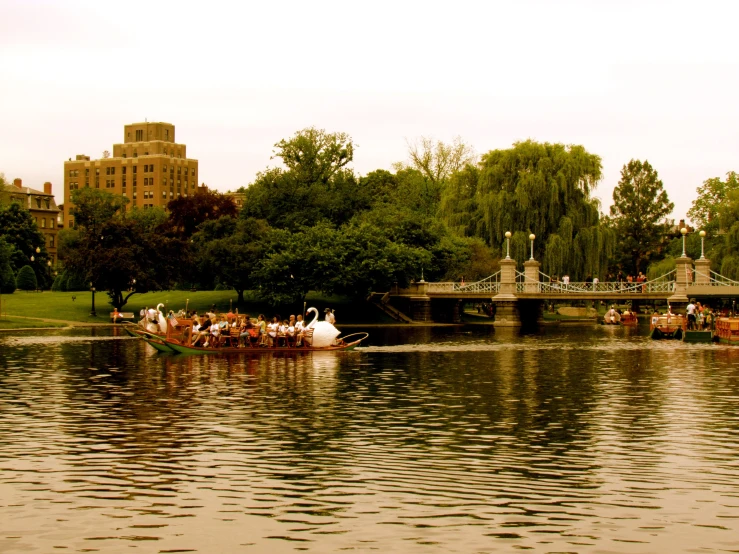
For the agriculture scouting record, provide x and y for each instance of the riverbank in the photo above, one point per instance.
(59, 309)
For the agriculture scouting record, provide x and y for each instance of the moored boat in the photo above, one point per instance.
(727, 330)
(692, 335)
(628, 318)
(668, 326)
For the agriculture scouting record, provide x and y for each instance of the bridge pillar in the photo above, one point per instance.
(420, 308)
(506, 303)
(702, 271)
(683, 275)
(531, 272)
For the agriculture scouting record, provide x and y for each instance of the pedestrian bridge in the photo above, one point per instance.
(661, 288)
(516, 293)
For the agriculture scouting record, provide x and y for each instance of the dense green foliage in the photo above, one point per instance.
(26, 278)
(19, 229)
(538, 188)
(639, 203)
(7, 277)
(712, 197)
(117, 254)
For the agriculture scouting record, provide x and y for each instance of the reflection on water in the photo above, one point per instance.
(438, 439)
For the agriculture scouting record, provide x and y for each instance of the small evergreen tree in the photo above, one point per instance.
(26, 279)
(7, 279)
(59, 284)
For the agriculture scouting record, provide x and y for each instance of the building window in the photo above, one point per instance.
(48, 203)
(134, 169)
(51, 242)
(97, 171)
(134, 195)
(71, 223)
(164, 194)
(107, 171)
(38, 203)
(139, 135)
(123, 170)
(135, 154)
(179, 170)
(123, 155)
(43, 223)
(151, 168)
(164, 168)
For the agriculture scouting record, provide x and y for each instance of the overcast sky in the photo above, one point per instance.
(654, 80)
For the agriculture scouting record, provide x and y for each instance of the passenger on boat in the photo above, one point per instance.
(203, 331)
(272, 330)
(330, 316)
(215, 335)
(690, 310)
(262, 324)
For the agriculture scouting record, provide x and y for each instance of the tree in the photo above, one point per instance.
(187, 212)
(315, 156)
(232, 249)
(314, 185)
(711, 196)
(7, 277)
(94, 207)
(639, 203)
(26, 279)
(20, 230)
(538, 188)
(436, 160)
(121, 255)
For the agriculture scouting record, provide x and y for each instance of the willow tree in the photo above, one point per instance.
(539, 188)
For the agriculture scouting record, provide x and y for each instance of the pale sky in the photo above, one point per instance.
(653, 80)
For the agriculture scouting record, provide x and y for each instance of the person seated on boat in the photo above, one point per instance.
(261, 324)
(203, 331)
(330, 317)
(246, 327)
(215, 335)
(272, 330)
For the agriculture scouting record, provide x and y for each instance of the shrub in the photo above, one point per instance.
(76, 283)
(26, 279)
(59, 284)
(7, 279)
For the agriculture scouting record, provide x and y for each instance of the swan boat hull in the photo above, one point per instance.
(156, 341)
(344, 345)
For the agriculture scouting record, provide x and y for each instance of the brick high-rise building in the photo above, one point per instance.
(149, 168)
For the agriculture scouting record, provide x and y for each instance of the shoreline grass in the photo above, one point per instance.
(76, 306)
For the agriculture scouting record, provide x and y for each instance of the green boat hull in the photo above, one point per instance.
(698, 336)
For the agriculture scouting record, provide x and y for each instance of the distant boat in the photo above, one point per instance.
(668, 326)
(727, 330)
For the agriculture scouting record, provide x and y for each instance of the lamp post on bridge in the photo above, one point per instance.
(703, 236)
(532, 236)
(684, 232)
(507, 245)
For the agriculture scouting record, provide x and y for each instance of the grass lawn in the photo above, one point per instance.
(24, 323)
(75, 306)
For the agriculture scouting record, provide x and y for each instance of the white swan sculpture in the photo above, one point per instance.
(324, 333)
(160, 318)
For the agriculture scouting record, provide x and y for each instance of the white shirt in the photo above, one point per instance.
(690, 309)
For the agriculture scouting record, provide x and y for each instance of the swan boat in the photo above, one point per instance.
(178, 338)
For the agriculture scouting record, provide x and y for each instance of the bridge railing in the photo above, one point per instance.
(489, 285)
(716, 280)
(663, 283)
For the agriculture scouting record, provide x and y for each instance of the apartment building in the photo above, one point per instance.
(43, 208)
(148, 167)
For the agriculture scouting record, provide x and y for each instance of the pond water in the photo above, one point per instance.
(434, 439)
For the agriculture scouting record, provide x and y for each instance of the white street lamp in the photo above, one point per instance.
(508, 245)
(532, 236)
(684, 232)
(703, 236)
